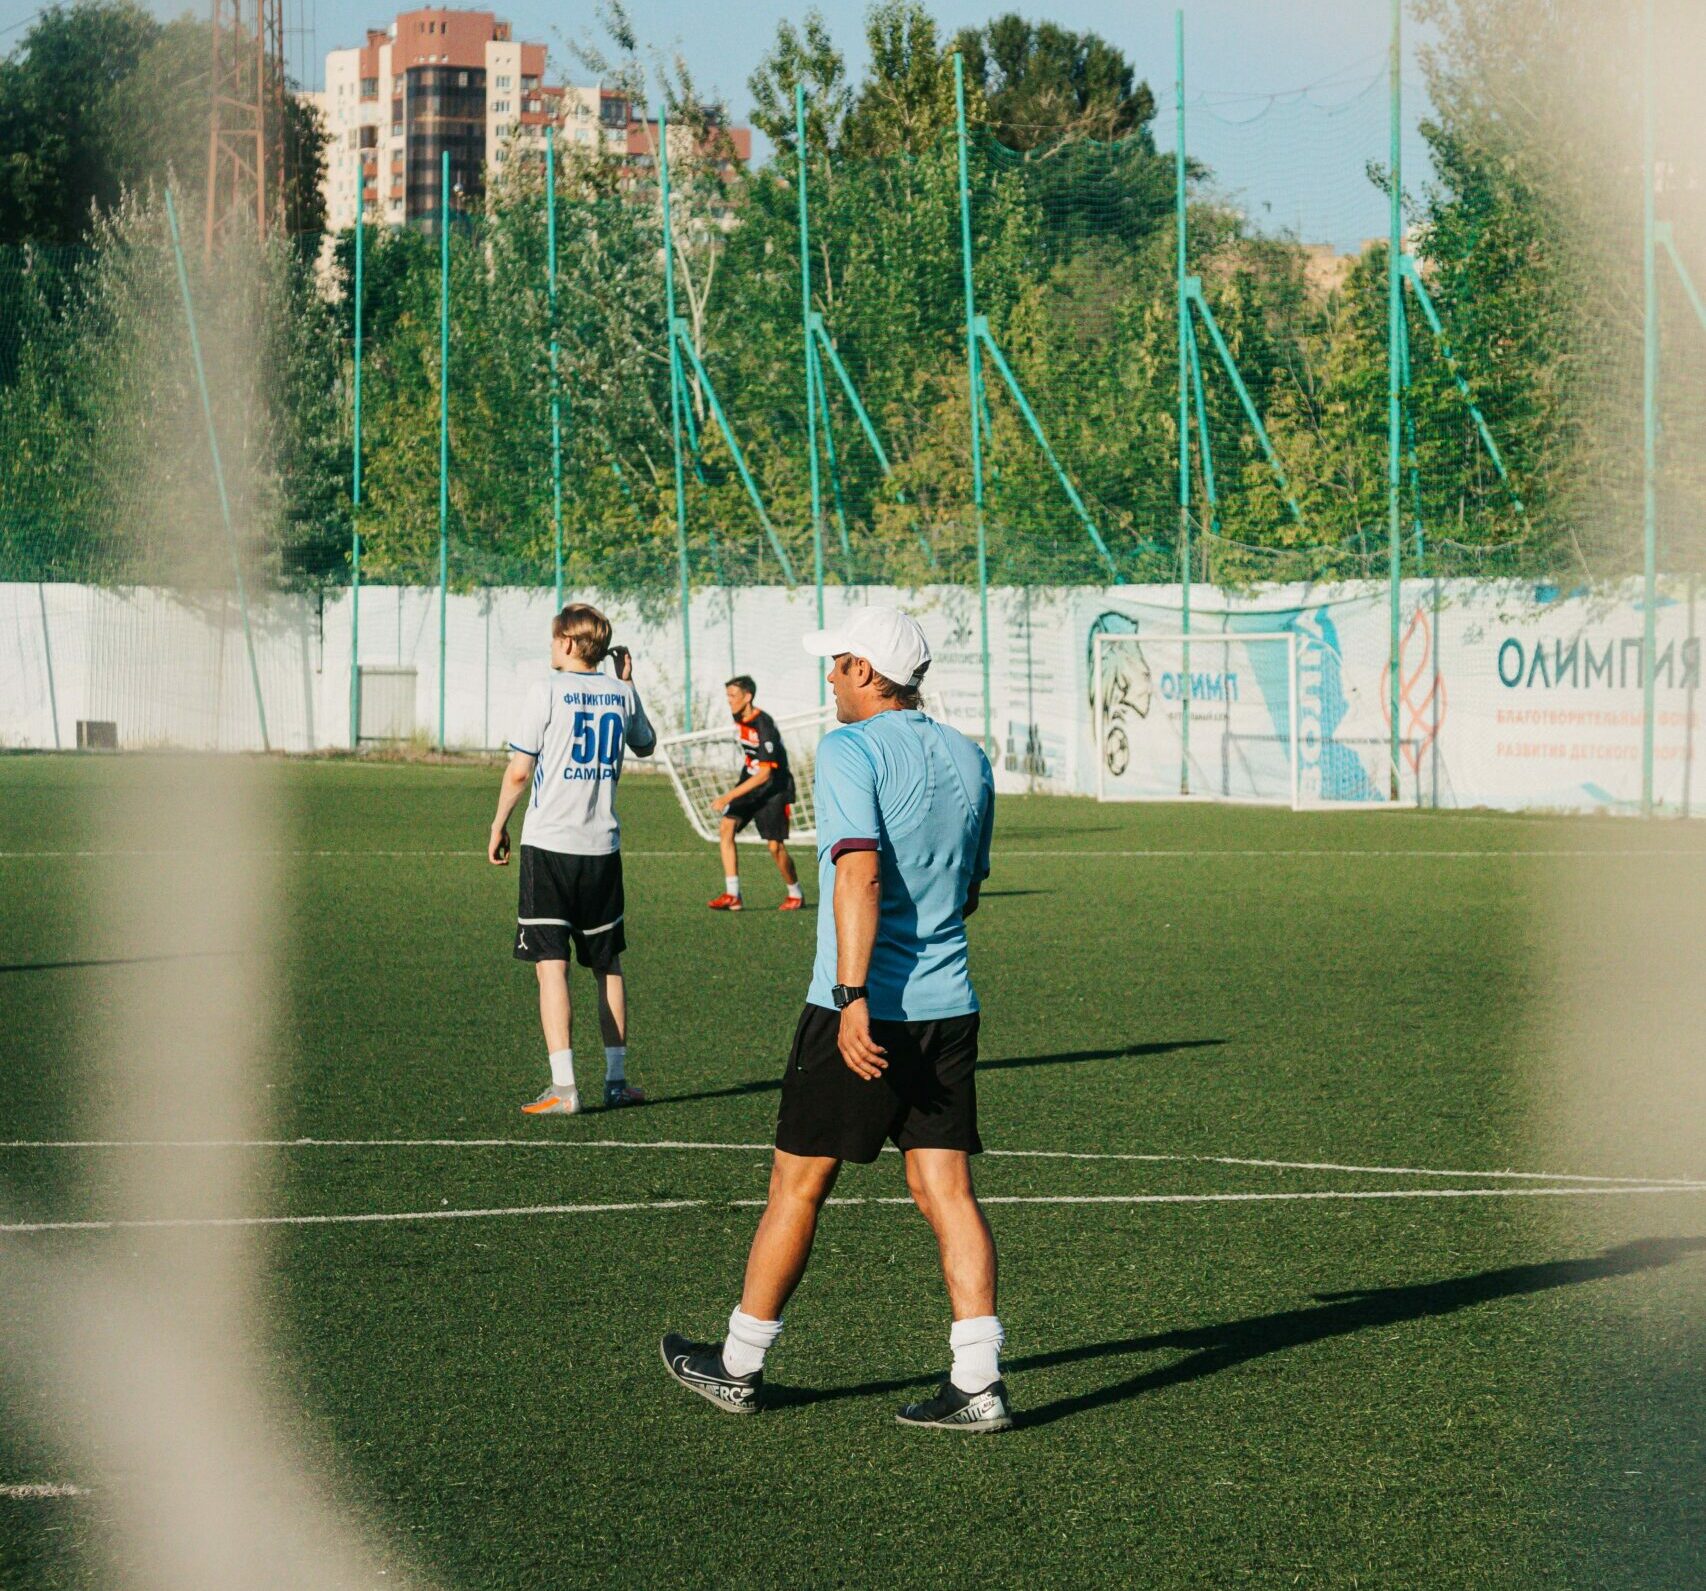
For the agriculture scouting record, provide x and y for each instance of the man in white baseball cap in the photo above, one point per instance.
(892, 642)
(887, 1046)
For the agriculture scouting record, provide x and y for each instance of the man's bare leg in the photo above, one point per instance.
(554, 1017)
(612, 1005)
(784, 862)
(613, 1027)
(726, 831)
(554, 1003)
(783, 1242)
(728, 1373)
(940, 1183)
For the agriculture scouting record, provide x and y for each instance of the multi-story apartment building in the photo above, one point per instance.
(440, 81)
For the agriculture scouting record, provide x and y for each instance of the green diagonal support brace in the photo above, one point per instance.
(686, 344)
(1203, 442)
(1194, 294)
(852, 393)
(1042, 442)
(1666, 237)
(1407, 267)
(860, 413)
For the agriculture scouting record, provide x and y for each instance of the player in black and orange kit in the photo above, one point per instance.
(763, 797)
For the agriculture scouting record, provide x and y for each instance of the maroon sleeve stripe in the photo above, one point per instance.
(842, 847)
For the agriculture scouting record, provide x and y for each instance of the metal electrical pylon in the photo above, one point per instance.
(245, 142)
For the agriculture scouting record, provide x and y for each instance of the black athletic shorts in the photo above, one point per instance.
(767, 810)
(927, 1099)
(570, 898)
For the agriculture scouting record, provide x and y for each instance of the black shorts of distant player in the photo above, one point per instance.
(570, 900)
(768, 813)
(926, 1099)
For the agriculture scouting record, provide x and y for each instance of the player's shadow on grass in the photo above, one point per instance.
(110, 961)
(1123, 1052)
(1212, 1349)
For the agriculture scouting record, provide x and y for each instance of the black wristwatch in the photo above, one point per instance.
(845, 994)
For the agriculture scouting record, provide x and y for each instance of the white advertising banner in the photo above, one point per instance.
(1510, 695)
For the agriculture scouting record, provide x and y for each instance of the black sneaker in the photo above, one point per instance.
(620, 1093)
(953, 1410)
(698, 1366)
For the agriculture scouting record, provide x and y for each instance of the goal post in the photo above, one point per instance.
(704, 764)
(1208, 717)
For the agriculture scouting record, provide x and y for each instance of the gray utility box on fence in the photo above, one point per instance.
(387, 703)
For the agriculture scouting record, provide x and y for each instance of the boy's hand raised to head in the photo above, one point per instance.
(624, 661)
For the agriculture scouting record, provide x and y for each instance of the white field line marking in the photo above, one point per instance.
(30, 1491)
(765, 1148)
(1181, 854)
(370, 1218)
(12, 856)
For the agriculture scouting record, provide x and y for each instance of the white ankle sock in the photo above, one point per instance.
(615, 1063)
(977, 1352)
(747, 1343)
(731, 883)
(795, 892)
(562, 1068)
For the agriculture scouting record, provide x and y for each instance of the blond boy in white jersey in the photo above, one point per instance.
(571, 732)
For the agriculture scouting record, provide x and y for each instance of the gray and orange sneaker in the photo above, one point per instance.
(554, 1102)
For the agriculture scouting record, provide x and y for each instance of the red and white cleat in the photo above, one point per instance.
(792, 903)
(725, 903)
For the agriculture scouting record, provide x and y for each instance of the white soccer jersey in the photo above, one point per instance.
(577, 727)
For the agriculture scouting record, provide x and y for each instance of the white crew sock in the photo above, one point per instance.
(795, 892)
(731, 882)
(562, 1068)
(747, 1343)
(615, 1063)
(977, 1352)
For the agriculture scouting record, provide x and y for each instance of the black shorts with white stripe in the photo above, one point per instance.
(570, 900)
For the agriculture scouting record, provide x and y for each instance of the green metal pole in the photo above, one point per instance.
(975, 376)
(832, 463)
(811, 365)
(218, 467)
(1650, 419)
(556, 381)
(1394, 395)
(677, 383)
(355, 475)
(443, 433)
(1184, 326)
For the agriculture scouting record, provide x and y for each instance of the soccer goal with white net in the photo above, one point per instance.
(1204, 717)
(708, 762)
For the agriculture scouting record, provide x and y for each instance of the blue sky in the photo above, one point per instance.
(1236, 49)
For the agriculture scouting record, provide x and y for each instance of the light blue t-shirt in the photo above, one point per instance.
(923, 797)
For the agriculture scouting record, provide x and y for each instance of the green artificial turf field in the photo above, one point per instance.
(1502, 1386)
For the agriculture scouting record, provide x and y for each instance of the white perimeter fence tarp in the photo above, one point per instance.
(1511, 695)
